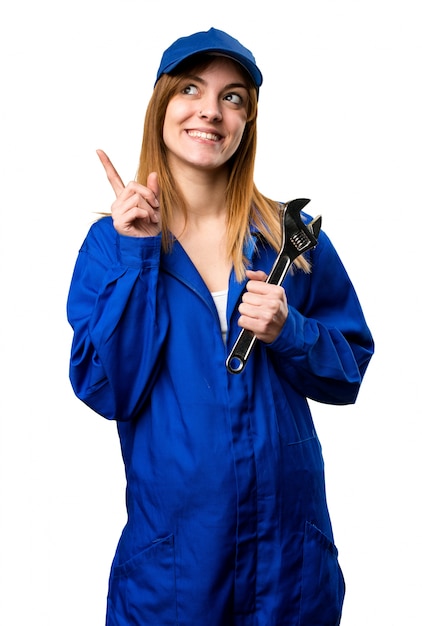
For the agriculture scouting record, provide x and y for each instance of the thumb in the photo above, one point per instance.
(256, 275)
(152, 183)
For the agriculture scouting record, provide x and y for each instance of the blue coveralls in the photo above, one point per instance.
(227, 516)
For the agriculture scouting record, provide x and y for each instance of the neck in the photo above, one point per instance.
(204, 192)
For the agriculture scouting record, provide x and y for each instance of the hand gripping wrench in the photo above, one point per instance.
(297, 238)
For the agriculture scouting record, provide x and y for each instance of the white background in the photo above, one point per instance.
(340, 123)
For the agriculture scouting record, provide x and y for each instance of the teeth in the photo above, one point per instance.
(201, 135)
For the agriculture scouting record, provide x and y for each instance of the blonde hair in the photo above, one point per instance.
(247, 208)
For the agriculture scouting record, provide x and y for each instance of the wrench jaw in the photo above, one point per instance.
(297, 237)
(315, 226)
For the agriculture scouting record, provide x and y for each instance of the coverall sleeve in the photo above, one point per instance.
(325, 345)
(119, 320)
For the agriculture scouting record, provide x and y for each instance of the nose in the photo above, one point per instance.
(210, 110)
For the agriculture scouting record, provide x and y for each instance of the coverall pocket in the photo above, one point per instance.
(322, 581)
(143, 589)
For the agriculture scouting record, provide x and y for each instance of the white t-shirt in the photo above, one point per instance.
(220, 299)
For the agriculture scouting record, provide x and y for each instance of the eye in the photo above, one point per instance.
(234, 97)
(190, 90)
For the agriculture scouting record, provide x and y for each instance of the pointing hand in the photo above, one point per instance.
(136, 210)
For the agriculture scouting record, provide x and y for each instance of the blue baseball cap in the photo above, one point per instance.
(212, 40)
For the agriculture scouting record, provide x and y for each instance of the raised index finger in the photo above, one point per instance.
(112, 174)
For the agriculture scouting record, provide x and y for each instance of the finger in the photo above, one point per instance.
(255, 299)
(264, 289)
(249, 310)
(152, 183)
(112, 174)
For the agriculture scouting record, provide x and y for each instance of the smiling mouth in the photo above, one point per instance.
(201, 135)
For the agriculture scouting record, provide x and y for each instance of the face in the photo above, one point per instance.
(205, 120)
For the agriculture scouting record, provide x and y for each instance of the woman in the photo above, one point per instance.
(227, 515)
